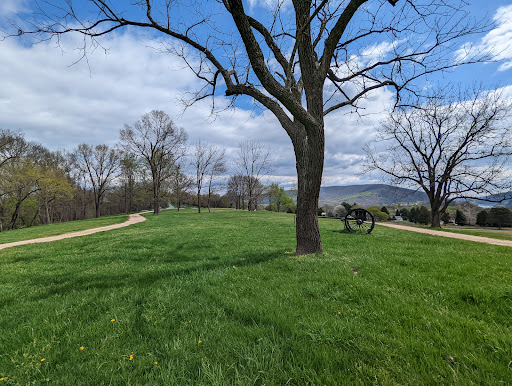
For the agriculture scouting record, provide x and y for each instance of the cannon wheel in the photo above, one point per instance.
(359, 220)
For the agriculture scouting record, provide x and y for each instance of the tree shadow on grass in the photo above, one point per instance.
(63, 284)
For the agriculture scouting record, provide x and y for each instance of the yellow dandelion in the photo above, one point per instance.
(287, 252)
(43, 359)
(200, 341)
(1, 379)
(131, 357)
(339, 313)
(82, 348)
(112, 320)
(156, 363)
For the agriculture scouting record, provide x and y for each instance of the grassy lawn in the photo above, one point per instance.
(494, 233)
(59, 228)
(219, 299)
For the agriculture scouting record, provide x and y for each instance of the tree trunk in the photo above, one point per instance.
(198, 201)
(14, 216)
(309, 152)
(156, 198)
(436, 219)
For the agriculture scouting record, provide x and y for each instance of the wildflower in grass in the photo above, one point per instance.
(287, 252)
(1, 379)
(339, 313)
(112, 320)
(200, 341)
(234, 267)
(131, 357)
(156, 363)
(43, 359)
(82, 348)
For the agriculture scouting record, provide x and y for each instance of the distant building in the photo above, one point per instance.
(399, 218)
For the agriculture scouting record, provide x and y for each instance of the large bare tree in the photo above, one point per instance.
(100, 165)
(301, 61)
(453, 146)
(215, 171)
(160, 143)
(205, 158)
(253, 161)
(12, 145)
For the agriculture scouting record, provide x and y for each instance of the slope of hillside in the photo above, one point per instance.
(368, 195)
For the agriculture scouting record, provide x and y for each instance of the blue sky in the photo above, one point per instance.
(61, 104)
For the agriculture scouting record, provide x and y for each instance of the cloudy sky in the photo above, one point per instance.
(59, 102)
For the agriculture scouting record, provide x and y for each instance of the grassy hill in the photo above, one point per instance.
(219, 298)
(368, 195)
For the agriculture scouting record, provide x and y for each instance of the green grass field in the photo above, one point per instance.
(493, 233)
(59, 228)
(219, 298)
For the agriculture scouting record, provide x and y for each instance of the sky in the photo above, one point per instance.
(60, 101)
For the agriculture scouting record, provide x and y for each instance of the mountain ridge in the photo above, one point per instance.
(368, 195)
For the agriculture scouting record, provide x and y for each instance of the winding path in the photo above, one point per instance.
(460, 236)
(133, 219)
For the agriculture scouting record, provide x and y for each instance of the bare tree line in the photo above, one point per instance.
(151, 167)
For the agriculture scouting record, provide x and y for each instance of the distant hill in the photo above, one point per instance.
(381, 194)
(368, 195)
(506, 203)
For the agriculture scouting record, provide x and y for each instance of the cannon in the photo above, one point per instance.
(359, 220)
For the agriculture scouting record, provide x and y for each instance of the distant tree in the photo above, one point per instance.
(340, 211)
(378, 214)
(453, 145)
(100, 165)
(384, 209)
(129, 167)
(423, 215)
(347, 205)
(445, 217)
(277, 197)
(482, 218)
(321, 210)
(203, 158)
(500, 217)
(412, 215)
(237, 191)
(460, 218)
(12, 146)
(404, 212)
(180, 184)
(160, 143)
(254, 162)
(217, 168)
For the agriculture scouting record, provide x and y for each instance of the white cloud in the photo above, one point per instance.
(9, 7)
(61, 105)
(497, 41)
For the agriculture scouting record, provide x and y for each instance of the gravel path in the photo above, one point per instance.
(459, 236)
(133, 219)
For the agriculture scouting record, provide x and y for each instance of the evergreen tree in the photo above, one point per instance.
(481, 218)
(423, 215)
(460, 218)
(500, 217)
(445, 217)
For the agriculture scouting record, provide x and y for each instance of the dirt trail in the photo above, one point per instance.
(459, 236)
(133, 219)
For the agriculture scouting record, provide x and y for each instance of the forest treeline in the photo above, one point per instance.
(153, 166)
